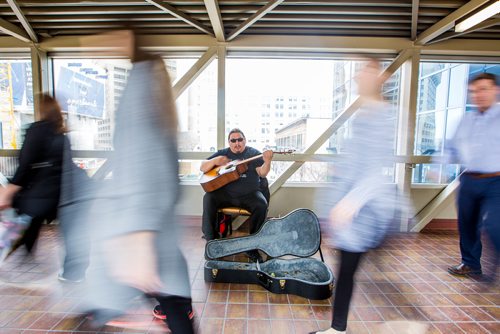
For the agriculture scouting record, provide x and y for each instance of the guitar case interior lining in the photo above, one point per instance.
(297, 234)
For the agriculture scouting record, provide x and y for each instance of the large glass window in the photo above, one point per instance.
(442, 101)
(89, 92)
(280, 104)
(16, 108)
(16, 101)
(197, 109)
(287, 104)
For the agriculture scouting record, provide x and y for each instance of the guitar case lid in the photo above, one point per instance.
(298, 234)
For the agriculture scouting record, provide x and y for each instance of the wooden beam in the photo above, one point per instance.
(398, 61)
(194, 72)
(483, 25)
(40, 75)
(254, 18)
(307, 45)
(337, 123)
(442, 199)
(221, 97)
(448, 22)
(302, 157)
(180, 15)
(14, 31)
(215, 16)
(24, 22)
(414, 18)
(409, 76)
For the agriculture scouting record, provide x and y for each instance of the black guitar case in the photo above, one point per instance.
(297, 234)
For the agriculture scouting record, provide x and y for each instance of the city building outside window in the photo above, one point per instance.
(16, 101)
(313, 93)
(16, 107)
(89, 92)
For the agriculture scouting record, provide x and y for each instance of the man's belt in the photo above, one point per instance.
(482, 175)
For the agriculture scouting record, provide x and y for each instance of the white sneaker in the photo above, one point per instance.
(407, 327)
(61, 278)
(329, 331)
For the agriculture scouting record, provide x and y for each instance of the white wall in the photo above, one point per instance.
(292, 197)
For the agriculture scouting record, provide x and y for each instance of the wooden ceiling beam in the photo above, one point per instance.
(180, 15)
(24, 22)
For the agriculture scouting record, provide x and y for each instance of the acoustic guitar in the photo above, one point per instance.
(219, 176)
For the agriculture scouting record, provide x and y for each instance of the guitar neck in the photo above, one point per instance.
(260, 156)
(250, 159)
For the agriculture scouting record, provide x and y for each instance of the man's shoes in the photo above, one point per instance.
(158, 313)
(63, 279)
(254, 255)
(464, 270)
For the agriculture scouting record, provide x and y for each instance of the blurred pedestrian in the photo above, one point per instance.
(361, 206)
(74, 204)
(135, 231)
(35, 188)
(476, 145)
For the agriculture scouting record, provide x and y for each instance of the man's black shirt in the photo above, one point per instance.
(248, 182)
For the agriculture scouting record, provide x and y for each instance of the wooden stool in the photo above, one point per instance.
(234, 211)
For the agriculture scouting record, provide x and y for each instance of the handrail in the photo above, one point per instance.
(409, 159)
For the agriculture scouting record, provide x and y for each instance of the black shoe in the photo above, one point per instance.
(158, 313)
(463, 270)
(254, 255)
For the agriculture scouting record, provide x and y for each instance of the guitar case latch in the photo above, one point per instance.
(214, 273)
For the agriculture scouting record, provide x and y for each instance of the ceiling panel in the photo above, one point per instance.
(379, 18)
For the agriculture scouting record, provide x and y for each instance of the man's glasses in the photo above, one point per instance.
(234, 140)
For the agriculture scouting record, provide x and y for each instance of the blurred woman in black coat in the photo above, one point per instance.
(35, 188)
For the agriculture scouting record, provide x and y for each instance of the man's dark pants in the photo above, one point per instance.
(254, 202)
(478, 208)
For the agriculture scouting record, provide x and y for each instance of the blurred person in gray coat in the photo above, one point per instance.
(134, 229)
(361, 206)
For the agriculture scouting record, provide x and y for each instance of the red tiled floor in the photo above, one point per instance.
(404, 281)
(237, 311)
(235, 326)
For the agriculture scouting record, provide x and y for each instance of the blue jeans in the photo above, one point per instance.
(478, 205)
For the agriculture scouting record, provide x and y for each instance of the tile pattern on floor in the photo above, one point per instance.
(405, 280)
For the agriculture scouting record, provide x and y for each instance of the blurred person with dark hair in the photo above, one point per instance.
(361, 206)
(135, 230)
(35, 188)
(476, 145)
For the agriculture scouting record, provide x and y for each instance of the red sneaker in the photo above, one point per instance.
(158, 313)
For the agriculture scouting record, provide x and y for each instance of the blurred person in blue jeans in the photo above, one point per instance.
(134, 229)
(476, 145)
(361, 206)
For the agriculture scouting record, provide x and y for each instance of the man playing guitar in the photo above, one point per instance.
(244, 192)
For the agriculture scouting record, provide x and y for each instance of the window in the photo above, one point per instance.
(313, 93)
(16, 101)
(442, 101)
(89, 92)
(197, 108)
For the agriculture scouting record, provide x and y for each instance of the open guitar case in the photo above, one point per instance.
(297, 234)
